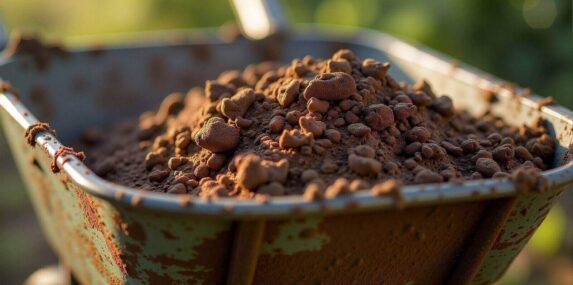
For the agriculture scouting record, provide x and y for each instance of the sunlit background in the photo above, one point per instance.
(525, 41)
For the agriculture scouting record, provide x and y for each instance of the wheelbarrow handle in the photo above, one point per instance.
(259, 19)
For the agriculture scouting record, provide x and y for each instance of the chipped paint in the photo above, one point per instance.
(291, 239)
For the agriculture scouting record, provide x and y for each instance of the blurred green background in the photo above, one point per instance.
(525, 41)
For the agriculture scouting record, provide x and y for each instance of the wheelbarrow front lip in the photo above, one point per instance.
(412, 195)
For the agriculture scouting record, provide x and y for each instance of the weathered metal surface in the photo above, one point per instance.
(421, 246)
(108, 233)
(105, 243)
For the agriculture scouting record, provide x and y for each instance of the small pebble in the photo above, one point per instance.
(158, 175)
(152, 159)
(309, 125)
(470, 146)
(175, 162)
(288, 93)
(452, 149)
(331, 86)
(364, 165)
(178, 188)
(403, 111)
(338, 66)
(238, 104)
(414, 147)
(272, 189)
(315, 105)
(522, 153)
(216, 161)
(487, 167)
(444, 106)
(309, 175)
(418, 134)
(379, 117)
(374, 68)
(364, 151)
(503, 153)
(277, 124)
(333, 135)
(428, 176)
(420, 98)
(217, 136)
(251, 173)
(294, 138)
(359, 130)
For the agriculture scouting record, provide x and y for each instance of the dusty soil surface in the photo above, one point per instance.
(320, 128)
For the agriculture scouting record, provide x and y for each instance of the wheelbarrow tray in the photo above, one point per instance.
(110, 234)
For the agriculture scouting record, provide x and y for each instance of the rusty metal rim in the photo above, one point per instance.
(412, 195)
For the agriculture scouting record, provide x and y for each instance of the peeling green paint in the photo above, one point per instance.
(289, 240)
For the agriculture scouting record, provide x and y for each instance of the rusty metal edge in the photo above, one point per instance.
(414, 195)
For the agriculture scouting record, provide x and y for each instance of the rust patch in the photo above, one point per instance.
(155, 278)
(500, 245)
(568, 156)
(119, 223)
(490, 96)
(136, 200)
(272, 232)
(34, 129)
(6, 87)
(65, 150)
(547, 101)
(166, 260)
(392, 188)
(136, 231)
(131, 256)
(119, 195)
(89, 208)
(92, 253)
(185, 200)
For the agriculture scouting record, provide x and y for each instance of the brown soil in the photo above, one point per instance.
(318, 127)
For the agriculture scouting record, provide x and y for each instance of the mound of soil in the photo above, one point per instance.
(316, 127)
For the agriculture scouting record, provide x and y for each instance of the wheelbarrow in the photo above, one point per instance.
(106, 233)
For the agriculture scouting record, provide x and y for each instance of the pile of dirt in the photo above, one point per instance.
(316, 127)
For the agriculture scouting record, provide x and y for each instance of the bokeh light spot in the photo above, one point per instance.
(340, 12)
(539, 14)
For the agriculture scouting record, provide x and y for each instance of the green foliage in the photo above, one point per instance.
(549, 237)
(497, 36)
